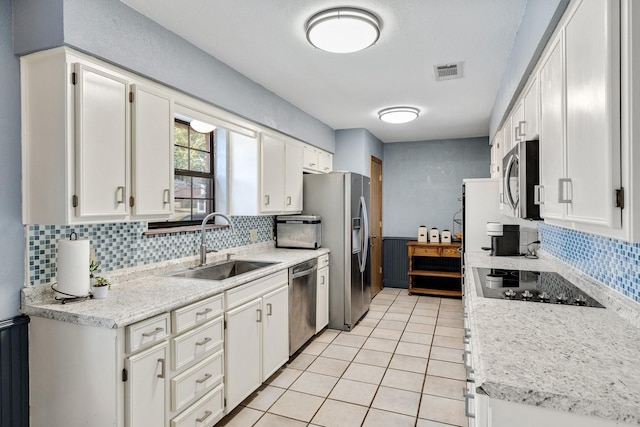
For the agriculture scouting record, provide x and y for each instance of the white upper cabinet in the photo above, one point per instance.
(78, 164)
(272, 158)
(326, 162)
(593, 113)
(101, 144)
(517, 124)
(264, 174)
(152, 152)
(293, 154)
(317, 160)
(552, 129)
(531, 110)
(580, 118)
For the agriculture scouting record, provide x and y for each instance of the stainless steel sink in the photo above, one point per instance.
(223, 270)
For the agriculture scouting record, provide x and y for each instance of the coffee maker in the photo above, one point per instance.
(505, 239)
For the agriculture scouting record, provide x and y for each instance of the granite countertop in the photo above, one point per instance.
(142, 292)
(576, 359)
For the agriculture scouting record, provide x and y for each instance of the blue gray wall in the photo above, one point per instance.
(354, 148)
(12, 262)
(422, 182)
(114, 32)
(539, 21)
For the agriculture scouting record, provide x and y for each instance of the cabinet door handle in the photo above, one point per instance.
(564, 184)
(155, 332)
(467, 398)
(162, 370)
(204, 312)
(203, 379)
(206, 415)
(537, 194)
(166, 196)
(269, 309)
(259, 311)
(522, 130)
(204, 341)
(322, 280)
(266, 199)
(288, 200)
(120, 195)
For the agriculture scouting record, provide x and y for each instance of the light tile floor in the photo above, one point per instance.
(400, 366)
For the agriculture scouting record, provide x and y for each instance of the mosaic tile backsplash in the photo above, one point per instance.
(613, 262)
(122, 245)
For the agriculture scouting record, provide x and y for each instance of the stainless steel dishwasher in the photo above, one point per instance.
(302, 304)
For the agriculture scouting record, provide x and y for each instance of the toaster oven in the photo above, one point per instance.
(298, 231)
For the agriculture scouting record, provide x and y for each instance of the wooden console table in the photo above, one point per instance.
(434, 268)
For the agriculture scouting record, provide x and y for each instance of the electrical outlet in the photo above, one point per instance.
(253, 234)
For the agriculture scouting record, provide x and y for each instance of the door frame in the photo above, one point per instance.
(375, 215)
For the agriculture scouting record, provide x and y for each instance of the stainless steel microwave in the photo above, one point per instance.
(521, 177)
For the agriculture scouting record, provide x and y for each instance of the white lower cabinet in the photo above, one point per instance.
(145, 390)
(322, 293)
(256, 336)
(243, 345)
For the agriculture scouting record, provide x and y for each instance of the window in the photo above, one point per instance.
(194, 176)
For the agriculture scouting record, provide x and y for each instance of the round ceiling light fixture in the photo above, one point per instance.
(202, 127)
(398, 114)
(343, 30)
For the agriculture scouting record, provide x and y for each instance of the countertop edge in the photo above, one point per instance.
(139, 282)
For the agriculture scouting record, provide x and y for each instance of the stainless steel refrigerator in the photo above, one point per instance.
(342, 200)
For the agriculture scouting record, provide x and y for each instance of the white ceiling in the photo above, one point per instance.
(265, 41)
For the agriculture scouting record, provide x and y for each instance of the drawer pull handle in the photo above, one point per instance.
(162, 371)
(203, 379)
(206, 415)
(153, 333)
(269, 309)
(204, 313)
(204, 341)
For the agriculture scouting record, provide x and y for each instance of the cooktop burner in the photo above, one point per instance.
(532, 286)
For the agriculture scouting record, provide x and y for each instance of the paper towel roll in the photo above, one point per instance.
(73, 267)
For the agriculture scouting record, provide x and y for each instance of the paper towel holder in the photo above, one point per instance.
(65, 296)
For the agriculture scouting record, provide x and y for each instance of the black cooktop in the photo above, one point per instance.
(542, 287)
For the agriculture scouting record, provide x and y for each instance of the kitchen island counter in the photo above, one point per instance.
(575, 359)
(139, 293)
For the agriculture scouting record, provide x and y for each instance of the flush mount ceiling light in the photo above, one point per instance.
(398, 114)
(343, 30)
(201, 127)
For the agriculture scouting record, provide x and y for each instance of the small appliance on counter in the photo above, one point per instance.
(299, 231)
(434, 236)
(422, 234)
(445, 236)
(505, 239)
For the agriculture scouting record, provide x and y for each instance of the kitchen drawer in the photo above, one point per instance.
(147, 332)
(244, 293)
(451, 252)
(426, 251)
(196, 381)
(197, 343)
(197, 313)
(204, 413)
(323, 261)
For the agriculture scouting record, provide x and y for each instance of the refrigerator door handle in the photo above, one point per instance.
(365, 240)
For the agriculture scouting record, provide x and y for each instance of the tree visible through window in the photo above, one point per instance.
(194, 176)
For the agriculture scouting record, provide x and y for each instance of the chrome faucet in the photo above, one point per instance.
(203, 245)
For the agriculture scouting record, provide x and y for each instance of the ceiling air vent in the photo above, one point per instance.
(449, 71)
